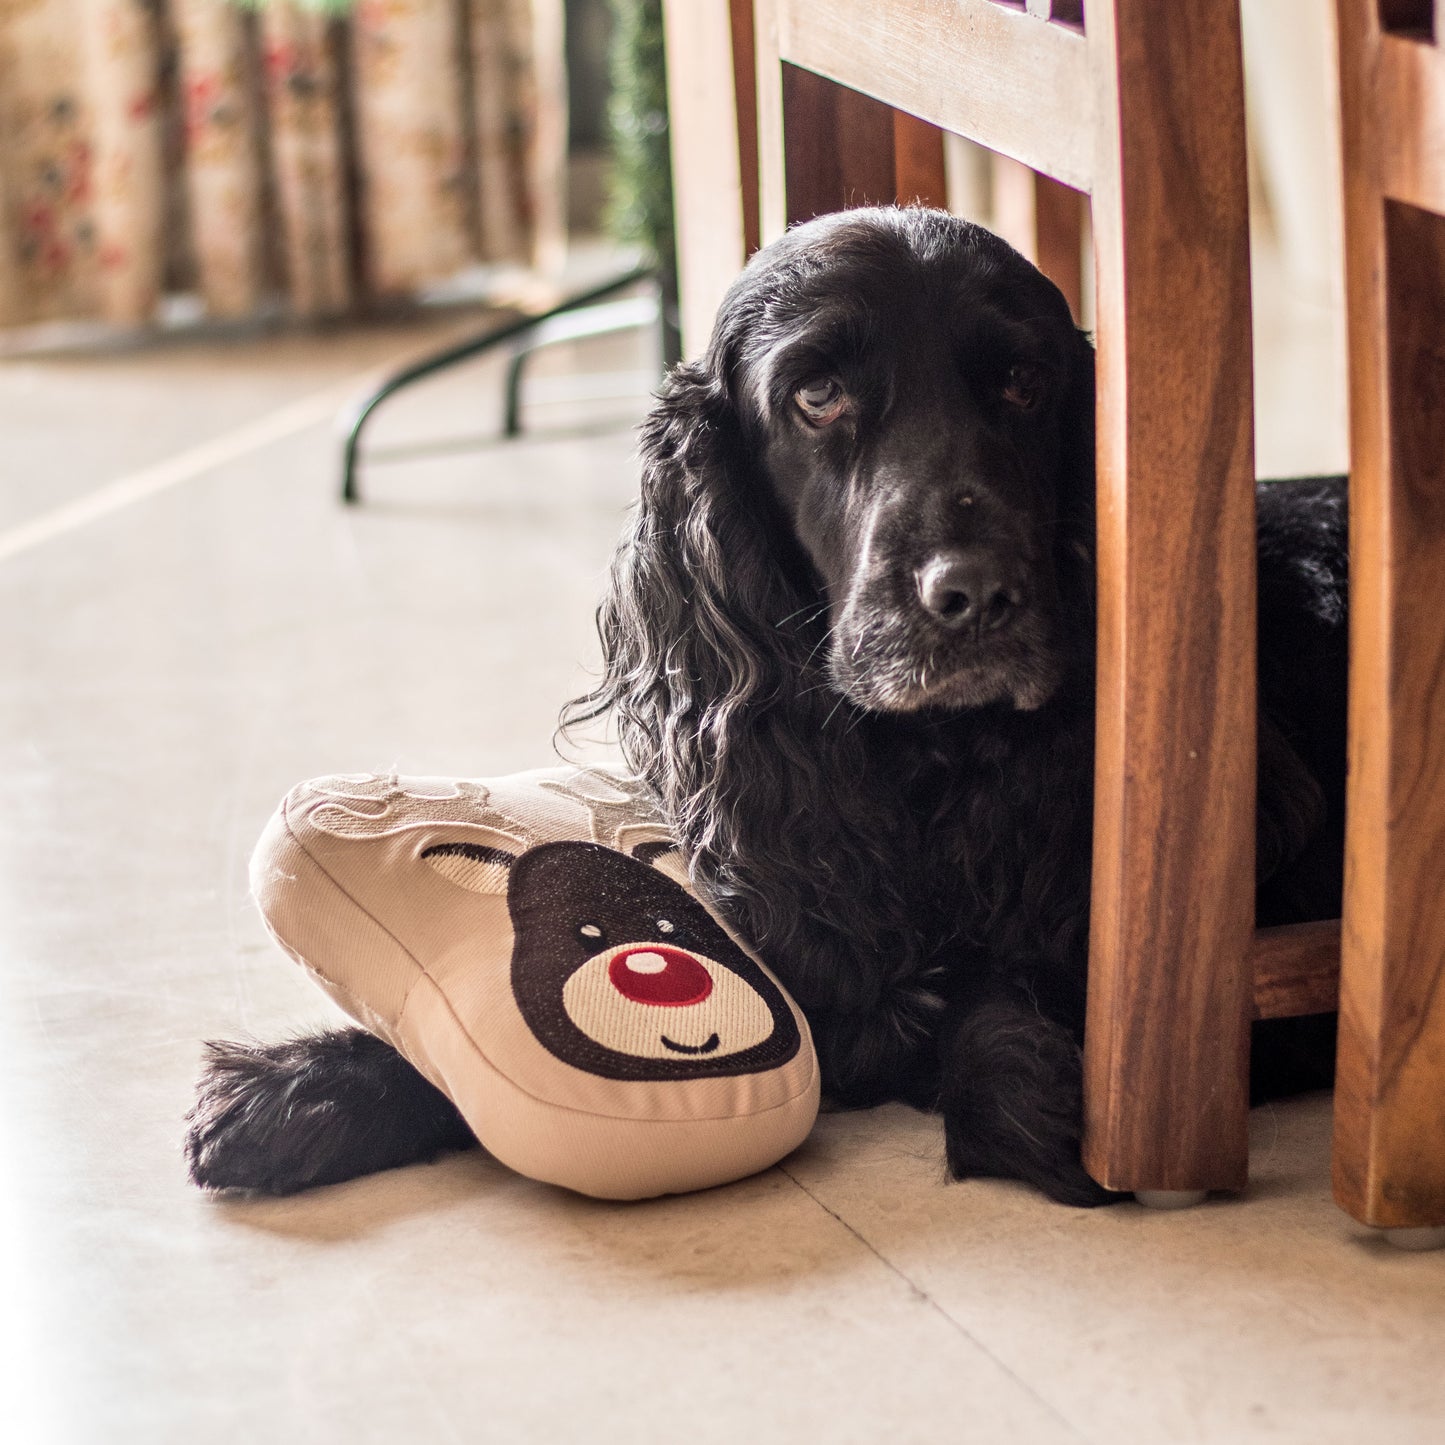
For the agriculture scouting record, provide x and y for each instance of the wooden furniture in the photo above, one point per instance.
(875, 153)
(1042, 219)
(712, 87)
(1145, 114)
(1149, 105)
(712, 114)
(1389, 1150)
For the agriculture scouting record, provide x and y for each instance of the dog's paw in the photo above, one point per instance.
(1012, 1101)
(259, 1119)
(1055, 1169)
(279, 1118)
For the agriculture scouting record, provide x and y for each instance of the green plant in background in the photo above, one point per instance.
(639, 208)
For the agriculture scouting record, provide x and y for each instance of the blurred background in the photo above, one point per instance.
(182, 160)
(200, 167)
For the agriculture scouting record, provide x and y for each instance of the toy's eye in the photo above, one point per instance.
(1024, 386)
(666, 925)
(822, 401)
(591, 934)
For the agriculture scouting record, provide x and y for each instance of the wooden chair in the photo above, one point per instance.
(1389, 1146)
(1147, 105)
(712, 115)
(712, 83)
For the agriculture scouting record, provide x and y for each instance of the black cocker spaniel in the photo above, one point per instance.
(849, 641)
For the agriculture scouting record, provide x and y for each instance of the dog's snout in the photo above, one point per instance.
(968, 589)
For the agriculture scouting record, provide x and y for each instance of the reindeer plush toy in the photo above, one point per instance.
(533, 946)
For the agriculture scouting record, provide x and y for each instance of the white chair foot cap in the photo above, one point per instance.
(1171, 1198)
(1429, 1237)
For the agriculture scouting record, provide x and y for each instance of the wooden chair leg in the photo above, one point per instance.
(712, 86)
(1389, 1153)
(1170, 991)
(1059, 238)
(745, 97)
(1044, 219)
(918, 174)
(844, 149)
(837, 146)
(823, 147)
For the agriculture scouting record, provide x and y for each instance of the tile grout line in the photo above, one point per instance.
(937, 1308)
(186, 466)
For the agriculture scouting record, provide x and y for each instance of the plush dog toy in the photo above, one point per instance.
(533, 946)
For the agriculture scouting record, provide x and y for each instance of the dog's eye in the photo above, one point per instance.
(821, 401)
(1024, 386)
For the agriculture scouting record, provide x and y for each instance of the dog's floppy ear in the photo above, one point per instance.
(710, 629)
(690, 623)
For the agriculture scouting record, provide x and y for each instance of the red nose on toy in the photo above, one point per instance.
(657, 974)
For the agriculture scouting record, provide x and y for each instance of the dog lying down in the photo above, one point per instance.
(849, 644)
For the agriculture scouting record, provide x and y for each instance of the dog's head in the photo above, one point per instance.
(919, 405)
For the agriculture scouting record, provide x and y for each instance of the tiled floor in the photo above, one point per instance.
(167, 670)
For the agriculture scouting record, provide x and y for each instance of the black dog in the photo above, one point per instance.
(849, 641)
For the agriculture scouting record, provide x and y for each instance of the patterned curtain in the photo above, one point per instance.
(223, 163)
(282, 156)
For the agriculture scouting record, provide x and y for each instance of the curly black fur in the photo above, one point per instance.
(889, 796)
(279, 1118)
(913, 860)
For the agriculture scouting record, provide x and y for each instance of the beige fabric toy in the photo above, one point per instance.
(533, 946)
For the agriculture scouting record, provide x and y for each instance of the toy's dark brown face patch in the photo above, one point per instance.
(618, 971)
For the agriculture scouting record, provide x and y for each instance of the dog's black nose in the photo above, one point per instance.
(968, 589)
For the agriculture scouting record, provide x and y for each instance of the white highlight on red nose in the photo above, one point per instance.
(626, 997)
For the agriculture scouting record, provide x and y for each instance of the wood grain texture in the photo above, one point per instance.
(1028, 93)
(772, 185)
(714, 178)
(1044, 220)
(1170, 986)
(918, 174)
(842, 148)
(1296, 970)
(745, 95)
(1151, 109)
(837, 146)
(1408, 95)
(1389, 1154)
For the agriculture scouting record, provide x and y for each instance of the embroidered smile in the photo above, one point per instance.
(707, 1048)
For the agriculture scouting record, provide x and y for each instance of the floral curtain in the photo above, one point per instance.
(152, 146)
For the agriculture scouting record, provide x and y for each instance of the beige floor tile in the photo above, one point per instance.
(1271, 1317)
(165, 673)
(169, 671)
(71, 423)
